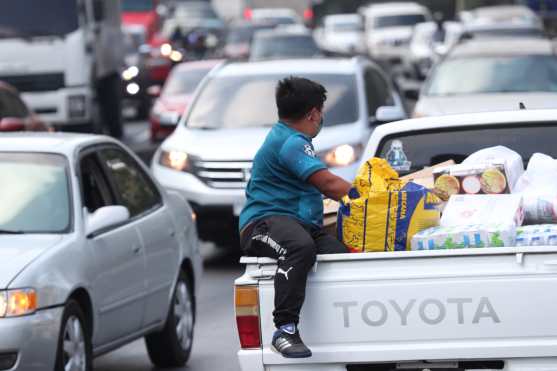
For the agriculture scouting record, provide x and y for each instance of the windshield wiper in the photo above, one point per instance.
(8, 231)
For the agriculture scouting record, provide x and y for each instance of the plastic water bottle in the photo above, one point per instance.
(552, 240)
(536, 241)
(396, 156)
(521, 241)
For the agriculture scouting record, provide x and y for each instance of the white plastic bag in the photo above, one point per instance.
(464, 210)
(538, 186)
(513, 161)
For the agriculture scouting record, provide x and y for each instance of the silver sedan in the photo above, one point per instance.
(93, 255)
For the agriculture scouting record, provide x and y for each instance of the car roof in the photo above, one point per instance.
(501, 11)
(503, 47)
(394, 8)
(290, 66)
(282, 32)
(201, 64)
(59, 143)
(334, 18)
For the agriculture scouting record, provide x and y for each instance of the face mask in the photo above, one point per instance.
(319, 128)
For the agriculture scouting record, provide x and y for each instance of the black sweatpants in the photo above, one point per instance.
(295, 246)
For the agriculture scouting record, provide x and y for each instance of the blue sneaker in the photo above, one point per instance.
(287, 341)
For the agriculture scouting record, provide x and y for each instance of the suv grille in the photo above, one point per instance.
(223, 174)
(35, 82)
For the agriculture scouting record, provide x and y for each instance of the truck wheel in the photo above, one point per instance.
(171, 347)
(74, 352)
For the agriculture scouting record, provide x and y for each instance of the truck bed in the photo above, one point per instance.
(469, 304)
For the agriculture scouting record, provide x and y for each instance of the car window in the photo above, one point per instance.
(35, 195)
(427, 148)
(377, 90)
(95, 190)
(494, 74)
(184, 81)
(288, 46)
(222, 102)
(11, 105)
(132, 186)
(399, 20)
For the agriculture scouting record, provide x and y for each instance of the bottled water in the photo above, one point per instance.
(397, 158)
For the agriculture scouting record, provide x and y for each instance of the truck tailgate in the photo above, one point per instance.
(430, 305)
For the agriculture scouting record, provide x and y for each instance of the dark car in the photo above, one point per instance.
(283, 43)
(14, 113)
(239, 38)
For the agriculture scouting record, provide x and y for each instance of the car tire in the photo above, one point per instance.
(171, 347)
(74, 341)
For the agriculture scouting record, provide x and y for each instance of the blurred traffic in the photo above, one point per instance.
(196, 79)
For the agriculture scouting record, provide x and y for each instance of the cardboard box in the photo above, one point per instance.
(485, 178)
(425, 177)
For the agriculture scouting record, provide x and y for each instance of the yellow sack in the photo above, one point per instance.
(388, 211)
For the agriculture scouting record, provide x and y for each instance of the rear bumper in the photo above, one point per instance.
(250, 360)
(34, 339)
(52, 106)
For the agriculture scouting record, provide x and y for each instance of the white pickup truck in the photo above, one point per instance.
(468, 309)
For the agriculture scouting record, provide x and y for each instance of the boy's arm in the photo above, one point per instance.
(329, 184)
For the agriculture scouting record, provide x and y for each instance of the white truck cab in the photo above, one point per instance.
(466, 309)
(51, 52)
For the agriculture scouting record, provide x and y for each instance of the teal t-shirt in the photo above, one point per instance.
(278, 184)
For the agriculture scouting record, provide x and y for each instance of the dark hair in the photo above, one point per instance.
(297, 96)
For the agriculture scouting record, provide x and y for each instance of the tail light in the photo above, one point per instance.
(247, 316)
(247, 14)
(308, 14)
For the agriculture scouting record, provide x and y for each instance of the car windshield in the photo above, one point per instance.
(277, 20)
(428, 148)
(137, 5)
(244, 34)
(477, 75)
(507, 32)
(399, 20)
(30, 18)
(35, 195)
(223, 101)
(346, 26)
(185, 11)
(284, 47)
(184, 81)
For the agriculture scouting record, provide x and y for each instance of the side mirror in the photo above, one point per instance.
(98, 10)
(386, 114)
(105, 217)
(154, 90)
(12, 124)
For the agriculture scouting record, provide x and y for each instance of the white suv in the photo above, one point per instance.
(208, 158)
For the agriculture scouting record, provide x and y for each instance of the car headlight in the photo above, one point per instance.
(342, 155)
(14, 303)
(130, 73)
(176, 160)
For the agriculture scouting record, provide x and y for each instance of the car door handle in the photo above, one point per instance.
(171, 232)
(136, 249)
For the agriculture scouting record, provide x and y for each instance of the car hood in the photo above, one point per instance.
(243, 144)
(435, 106)
(18, 251)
